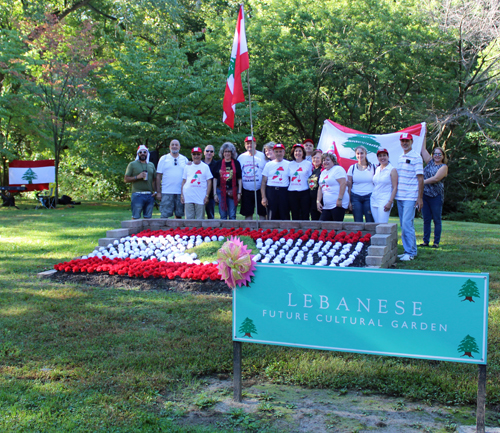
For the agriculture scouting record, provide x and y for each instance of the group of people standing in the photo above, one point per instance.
(373, 189)
(311, 186)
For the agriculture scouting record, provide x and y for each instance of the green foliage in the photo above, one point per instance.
(206, 251)
(472, 186)
(204, 401)
(477, 211)
(151, 95)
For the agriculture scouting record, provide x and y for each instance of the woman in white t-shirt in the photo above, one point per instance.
(332, 190)
(360, 186)
(299, 171)
(385, 186)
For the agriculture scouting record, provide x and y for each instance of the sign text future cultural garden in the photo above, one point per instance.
(416, 314)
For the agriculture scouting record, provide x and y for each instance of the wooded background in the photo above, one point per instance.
(85, 82)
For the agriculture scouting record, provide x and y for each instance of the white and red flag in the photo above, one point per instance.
(35, 175)
(342, 141)
(239, 63)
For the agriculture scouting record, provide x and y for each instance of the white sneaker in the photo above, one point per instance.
(401, 255)
(406, 258)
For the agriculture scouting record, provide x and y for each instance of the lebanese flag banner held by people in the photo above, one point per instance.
(238, 63)
(342, 141)
(35, 175)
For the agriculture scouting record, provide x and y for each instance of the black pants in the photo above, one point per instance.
(277, 203)
(248, 203)
(299, 203)
(335, 214)
(315, 213)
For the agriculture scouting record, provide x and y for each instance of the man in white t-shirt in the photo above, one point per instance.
(252, 164)
(196, 186)
(169, 176)
(274, 188)
(410, 194)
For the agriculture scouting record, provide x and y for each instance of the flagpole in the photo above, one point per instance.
(254, 150)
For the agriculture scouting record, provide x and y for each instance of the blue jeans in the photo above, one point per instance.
(432, 211)
(361, 206)
(406, 210)
(142, 203)
(231, 208)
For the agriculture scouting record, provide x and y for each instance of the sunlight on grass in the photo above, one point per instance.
(13, 311)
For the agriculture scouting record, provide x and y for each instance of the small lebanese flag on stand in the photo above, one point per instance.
(35, 175)
(239, 63)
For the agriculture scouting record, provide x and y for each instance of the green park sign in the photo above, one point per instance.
(416, 314)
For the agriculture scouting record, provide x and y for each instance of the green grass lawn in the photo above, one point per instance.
(78, 359)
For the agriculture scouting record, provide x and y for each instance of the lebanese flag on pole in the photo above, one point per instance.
(342, 141)
(239, 63)
(34, 175)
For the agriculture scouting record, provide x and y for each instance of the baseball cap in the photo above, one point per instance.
(196, 150)
(298, 145)
(308, 140)
(279, 146)
(406, 136)
(383, 151)
(250, 138)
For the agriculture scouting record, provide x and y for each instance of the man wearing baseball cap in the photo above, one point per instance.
(169, 176)
(252, 164)
(410, 194)
(309, 148)
(196, 186)
(251, 139)
(142, 175)
(274, 188)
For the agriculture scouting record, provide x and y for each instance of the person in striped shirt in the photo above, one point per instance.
(410, 194)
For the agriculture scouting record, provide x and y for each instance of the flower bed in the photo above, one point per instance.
(165, 253)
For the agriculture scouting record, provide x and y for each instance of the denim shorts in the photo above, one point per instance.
(171, 203)
(142, 203)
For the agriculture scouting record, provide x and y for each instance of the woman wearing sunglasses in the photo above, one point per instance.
(435, 171)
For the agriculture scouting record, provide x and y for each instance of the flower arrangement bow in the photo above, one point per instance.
(235, 263)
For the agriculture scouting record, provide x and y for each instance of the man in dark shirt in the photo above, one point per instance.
(209, 160)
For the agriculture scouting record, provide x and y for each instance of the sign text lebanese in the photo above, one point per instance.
(417, 314)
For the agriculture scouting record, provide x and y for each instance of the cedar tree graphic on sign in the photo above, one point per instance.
(468, 345)
(468, 290)
(29, 175)
(367, 141)
(248, 327)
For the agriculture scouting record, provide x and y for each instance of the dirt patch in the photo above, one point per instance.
(121, 282)
(269, 407)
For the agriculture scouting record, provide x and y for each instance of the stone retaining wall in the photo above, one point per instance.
(381, 254)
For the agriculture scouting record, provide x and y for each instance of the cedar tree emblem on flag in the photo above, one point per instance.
(239, 63)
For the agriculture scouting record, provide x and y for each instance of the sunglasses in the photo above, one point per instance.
(175, 161)
(143, 151)
(209, 151)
